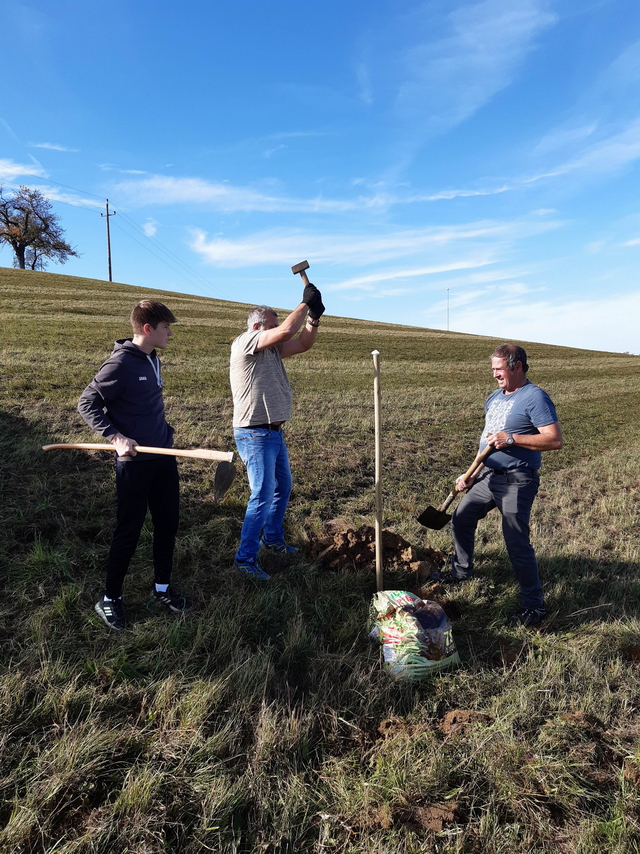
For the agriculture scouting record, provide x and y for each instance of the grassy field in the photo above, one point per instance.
(261, 721)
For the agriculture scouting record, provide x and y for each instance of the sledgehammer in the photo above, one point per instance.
(300, 268)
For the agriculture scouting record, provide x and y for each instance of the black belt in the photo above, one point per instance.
(511, 470)
(275, 427)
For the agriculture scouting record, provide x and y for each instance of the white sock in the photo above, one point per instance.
(106, 599)
(162, 588)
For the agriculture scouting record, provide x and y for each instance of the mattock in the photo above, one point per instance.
(300, 268)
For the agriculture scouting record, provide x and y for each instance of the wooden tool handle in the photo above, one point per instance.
(304, 277)
(198, 453)
(450, 497)
(480, 458)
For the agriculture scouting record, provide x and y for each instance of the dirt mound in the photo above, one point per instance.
(355, 548)
(390, 727)
(460, 720)
(433, 817)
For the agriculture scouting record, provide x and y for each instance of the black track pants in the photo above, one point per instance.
(141, 485)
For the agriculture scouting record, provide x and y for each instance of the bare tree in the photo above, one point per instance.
(33, 259)
(29, 226)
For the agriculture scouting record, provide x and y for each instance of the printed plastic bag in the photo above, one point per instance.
(415, 635)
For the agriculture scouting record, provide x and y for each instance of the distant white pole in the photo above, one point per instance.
(447, 309)
(378, 475)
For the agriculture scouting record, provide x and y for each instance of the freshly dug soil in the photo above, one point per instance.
(355, 548)
(460, 720)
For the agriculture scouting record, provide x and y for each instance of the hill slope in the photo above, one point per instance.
(255, 723)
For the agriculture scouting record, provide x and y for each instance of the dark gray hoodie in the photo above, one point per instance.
(125, 396)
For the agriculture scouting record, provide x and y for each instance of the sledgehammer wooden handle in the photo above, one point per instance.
(480, 458)
(199, 453)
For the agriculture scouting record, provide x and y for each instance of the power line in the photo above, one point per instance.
(144, 246)
(217, 292)
(172, 255)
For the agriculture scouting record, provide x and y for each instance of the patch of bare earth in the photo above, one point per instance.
(460, 720)
(390, 727)
(431, 817)
(345, 548)
(508, 654)
(631, 652)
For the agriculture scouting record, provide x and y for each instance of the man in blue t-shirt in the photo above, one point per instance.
(520, 423)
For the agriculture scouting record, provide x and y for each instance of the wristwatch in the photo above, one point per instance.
(510, 440)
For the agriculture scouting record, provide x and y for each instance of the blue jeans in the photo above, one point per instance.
(264, 453)
(513, 495)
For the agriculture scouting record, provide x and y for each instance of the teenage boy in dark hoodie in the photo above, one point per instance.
(124, 403)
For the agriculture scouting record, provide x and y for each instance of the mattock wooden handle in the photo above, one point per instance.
(197, 453)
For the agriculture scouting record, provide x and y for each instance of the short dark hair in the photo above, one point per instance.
(152, 312)
(512, 354)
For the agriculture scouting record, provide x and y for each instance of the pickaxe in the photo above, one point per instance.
(225, 470)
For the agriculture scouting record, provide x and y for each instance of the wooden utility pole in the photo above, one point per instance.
(378, 475)
(107, 215)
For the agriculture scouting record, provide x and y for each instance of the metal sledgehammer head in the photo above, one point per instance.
(432, 518)
(300, 268)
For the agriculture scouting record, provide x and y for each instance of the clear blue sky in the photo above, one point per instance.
(403, 148)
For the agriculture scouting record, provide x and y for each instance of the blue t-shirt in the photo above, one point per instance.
(522, 411)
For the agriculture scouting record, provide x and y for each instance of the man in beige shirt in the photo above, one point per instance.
(261, 405)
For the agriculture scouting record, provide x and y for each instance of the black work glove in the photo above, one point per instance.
(316, 306)
(309, 293)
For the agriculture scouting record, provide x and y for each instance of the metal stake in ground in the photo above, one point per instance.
(378, 432)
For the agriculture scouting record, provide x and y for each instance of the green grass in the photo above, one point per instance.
(253, 724)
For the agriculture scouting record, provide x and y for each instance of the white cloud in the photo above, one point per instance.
(164, 190)
(562, 138)
(53, 147)
(611, 153)
(56, 195)
(367, 283)
(364, 83)
(150, 227)
(456, 194)
(634, 242)
(9, 129)
(271, 151)
(109, 167)
(437, 249)
(609, 323)
(9, 169)
(278, 247)
(450, 79)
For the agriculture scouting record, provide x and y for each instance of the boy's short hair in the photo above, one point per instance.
(152, 312)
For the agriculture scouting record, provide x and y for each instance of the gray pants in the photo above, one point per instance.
(513, 495)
